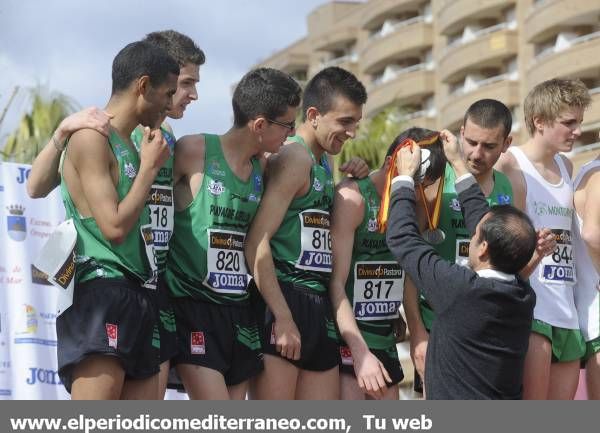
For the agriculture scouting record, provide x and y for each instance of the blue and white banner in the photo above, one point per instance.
(28, 366)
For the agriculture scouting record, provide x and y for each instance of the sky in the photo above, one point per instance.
(68, 47)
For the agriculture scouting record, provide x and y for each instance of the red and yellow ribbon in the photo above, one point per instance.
(382, 216)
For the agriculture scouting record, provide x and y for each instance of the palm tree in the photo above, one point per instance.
(373, 138)
(36, 127)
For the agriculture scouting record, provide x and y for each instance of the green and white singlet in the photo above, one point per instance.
(206, 258)
(301, 247)
(455, 247)
(96, 257)
(375, 285)
(160, 200)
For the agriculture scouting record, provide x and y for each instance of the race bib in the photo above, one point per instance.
(559, 266)
(315, 241)
(160, 202)
(378, 290)
(225, 261)
(462, 252)
(148, 238)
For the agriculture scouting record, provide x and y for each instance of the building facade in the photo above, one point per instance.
(433, 58)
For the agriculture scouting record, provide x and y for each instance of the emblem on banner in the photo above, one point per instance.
(16, 224)
(197, 346)
(39, 277)
(112, 332)
(30, 325)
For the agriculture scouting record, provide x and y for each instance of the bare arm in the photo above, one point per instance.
(89, 153)
(288, 172)
(419, 337)
(591, 219)
(348, 211)
(44, 175)
(508, 165)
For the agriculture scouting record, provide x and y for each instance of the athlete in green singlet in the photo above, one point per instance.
(160, 198)
(367, 311)
(107, 340)
(218, 186)
(288, 248)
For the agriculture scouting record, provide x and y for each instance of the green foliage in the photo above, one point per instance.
(36, 126)
(373, 139)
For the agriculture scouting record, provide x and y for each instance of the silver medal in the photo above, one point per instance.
(434, 237)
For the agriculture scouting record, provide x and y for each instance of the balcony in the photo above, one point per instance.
(453, 15)
(406, 37)
(347, 62)
(503, 87)
(403, 86)
(335, 38)
(292, 59)
(488, 47)
(577, 59)
(591, 117)
(546, 16)
(378, 10)
(421, 119)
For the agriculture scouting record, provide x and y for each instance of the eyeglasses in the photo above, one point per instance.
(291, 125)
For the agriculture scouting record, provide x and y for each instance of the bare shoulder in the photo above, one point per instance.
(349, 192)
(190, 143)
(189, 151)
(590, 181)
(88, 145)
(291, 160)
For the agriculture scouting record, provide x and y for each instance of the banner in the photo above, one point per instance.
(28, 365)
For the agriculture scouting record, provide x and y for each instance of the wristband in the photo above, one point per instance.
(57, 145)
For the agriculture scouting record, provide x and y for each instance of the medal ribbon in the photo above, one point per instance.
(392, 172)
(433, 220)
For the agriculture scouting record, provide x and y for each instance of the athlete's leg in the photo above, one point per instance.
(141, 389)
(536, 374)
(349, 389)
(564, 378)
(98, 377)
(238, 391)
(391, 393)
(592, 372)
(163, 379)
(202, 383)
(277, 381)
(318, 385)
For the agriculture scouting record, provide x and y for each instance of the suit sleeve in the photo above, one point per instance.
(439, 280)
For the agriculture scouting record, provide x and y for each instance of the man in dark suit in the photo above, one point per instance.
(478, 343)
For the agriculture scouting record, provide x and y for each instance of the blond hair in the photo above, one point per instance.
(549, 99)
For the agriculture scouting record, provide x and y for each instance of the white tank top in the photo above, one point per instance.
(587, 297)
(551, 206)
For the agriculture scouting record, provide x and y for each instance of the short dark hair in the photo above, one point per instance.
(489, 114)
(179, 46)
(329, 83)
(510, 236)
(138, 59)
(437, 158)
(264, 92)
